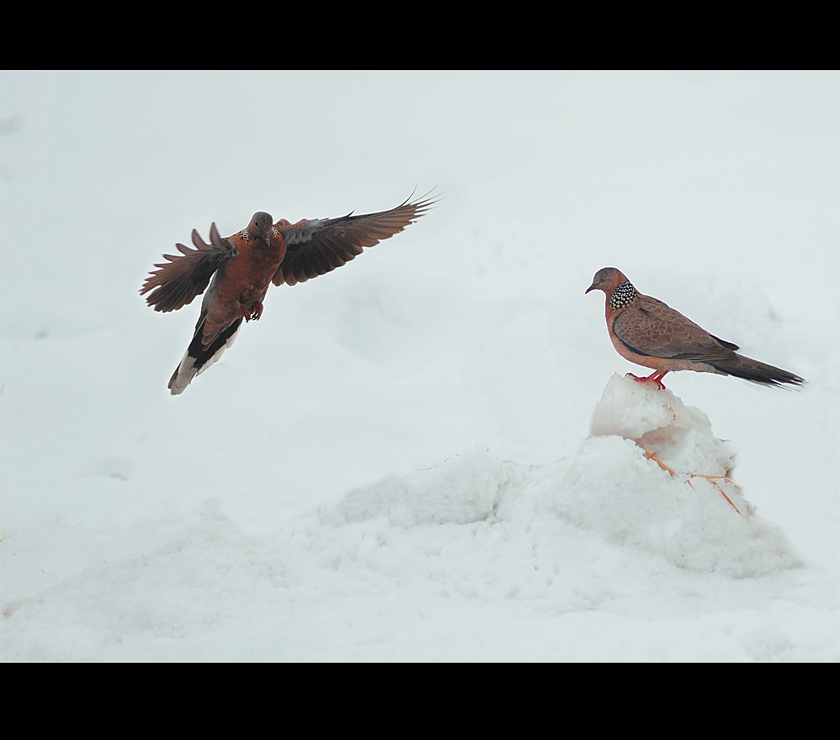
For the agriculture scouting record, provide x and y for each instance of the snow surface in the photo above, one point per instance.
(431, 453)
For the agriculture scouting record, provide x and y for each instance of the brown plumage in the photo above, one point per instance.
(646, 331)
(242, 267)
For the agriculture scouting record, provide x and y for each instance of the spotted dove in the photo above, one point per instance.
(242, 267)
(646, 331)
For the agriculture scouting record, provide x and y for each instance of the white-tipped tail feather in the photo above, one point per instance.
(197, 359)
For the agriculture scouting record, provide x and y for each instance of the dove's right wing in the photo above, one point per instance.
(186, 275)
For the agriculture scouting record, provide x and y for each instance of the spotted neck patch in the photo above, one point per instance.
(623, 295)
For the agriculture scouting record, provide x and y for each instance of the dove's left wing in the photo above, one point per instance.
(319, 246)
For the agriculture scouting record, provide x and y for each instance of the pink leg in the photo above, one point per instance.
(652, 378)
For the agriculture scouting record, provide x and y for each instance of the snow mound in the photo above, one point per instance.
(616, 487)
(654, 476)
(658, 422)
(465, 488)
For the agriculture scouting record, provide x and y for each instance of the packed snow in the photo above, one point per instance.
(432, 453)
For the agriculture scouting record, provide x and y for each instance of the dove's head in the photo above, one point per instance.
(607, 279)
(260, 225)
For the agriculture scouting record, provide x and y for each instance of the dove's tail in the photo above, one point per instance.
(198, 358)
(755, 371)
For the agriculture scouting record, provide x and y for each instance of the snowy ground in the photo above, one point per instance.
(431, 453)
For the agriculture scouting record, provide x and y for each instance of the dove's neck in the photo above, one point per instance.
(623, 295)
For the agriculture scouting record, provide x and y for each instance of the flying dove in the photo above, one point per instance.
(242, 267)
(646, 331)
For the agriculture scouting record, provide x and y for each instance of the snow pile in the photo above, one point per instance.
(463, 489)
(474, 558)
(612, 486)
(658, 422)
(695, 516)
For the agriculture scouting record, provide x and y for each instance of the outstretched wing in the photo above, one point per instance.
(186, 275)
(650, 327)
(319, 246)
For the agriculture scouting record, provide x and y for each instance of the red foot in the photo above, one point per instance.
(652, 378)
(254, 313)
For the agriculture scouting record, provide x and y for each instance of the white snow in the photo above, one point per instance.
(432, 453)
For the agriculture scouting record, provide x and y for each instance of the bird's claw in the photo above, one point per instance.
(254, 313)
(652, 378)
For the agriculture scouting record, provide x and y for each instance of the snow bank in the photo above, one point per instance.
(600, 555)
(694, 515)
(465, 488)
(616, 486)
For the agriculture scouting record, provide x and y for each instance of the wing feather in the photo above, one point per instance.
(653, 328)
(177, 282)
(321, 245)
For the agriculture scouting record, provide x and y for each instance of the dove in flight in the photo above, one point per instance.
(243, 266)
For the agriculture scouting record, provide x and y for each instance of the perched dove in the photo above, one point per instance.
(243, 265)
(646, 331)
